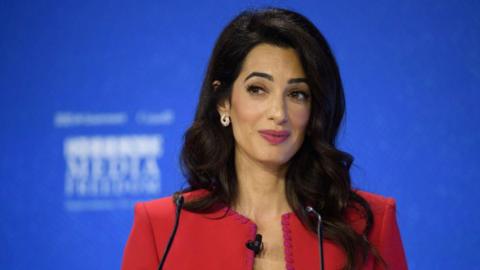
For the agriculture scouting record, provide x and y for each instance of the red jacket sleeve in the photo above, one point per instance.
(390, 243)
(140, 251)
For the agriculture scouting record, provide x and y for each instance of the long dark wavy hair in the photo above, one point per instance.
(318, 174)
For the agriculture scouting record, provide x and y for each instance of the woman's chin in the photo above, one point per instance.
(276, 162)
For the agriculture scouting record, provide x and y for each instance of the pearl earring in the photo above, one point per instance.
(225, 120)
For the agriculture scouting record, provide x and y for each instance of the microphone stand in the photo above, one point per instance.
(310, 210)
(179, 205)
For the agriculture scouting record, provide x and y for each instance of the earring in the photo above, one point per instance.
(216, 84)
(225, 120)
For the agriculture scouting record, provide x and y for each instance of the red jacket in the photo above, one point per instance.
(208, 241)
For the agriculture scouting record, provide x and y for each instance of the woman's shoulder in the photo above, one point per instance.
(164, 207)
(381, 207)
(385, 233)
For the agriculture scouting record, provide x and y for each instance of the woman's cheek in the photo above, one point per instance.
(299, 116)
(248, 111)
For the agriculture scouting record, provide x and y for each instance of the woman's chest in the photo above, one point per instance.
(222, 244)
(272, 255)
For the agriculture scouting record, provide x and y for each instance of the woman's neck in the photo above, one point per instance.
(261, 190)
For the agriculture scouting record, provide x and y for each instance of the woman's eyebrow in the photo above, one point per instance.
(259, 74)
(270, 77)
(298, 80)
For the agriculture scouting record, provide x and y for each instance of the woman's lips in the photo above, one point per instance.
(275, 136)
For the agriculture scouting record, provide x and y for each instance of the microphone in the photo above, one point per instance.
(255, 245)
(312, 211)
(179, 205)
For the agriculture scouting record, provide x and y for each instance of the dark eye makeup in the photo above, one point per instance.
(255, 90)
(300, 95)
(297, 95)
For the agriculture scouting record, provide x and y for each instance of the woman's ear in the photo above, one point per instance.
(223, 107)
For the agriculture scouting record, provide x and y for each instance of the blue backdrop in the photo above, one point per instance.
(96, 95)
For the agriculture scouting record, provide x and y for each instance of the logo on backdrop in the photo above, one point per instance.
(107, 172)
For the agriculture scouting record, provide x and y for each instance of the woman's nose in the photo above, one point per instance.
(278, 110)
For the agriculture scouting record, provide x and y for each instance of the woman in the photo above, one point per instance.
(261, 149)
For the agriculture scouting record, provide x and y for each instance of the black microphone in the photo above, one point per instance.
(179, 205)
(255, 245)
(310, 210)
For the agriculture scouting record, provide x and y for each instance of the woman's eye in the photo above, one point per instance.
(300, 95)
(255, 90)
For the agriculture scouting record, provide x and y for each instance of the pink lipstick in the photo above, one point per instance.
(275, 136)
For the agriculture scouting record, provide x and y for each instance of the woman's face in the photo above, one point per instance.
(269, 106)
